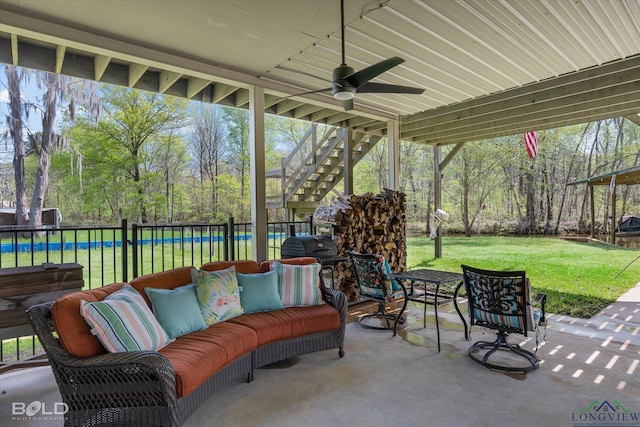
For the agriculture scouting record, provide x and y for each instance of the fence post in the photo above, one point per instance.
(311, 224)
(134, 250)
(125, 255)
(231, 240)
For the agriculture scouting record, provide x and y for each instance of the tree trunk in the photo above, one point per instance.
(15, 128)
(139, 189)
(42, 174)
(530, 221)
(465, 198)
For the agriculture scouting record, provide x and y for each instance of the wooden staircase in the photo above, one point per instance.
(314, 168)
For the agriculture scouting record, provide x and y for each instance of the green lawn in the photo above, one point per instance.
(578, 278)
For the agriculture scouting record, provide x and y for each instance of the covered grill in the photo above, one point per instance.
(321, 247)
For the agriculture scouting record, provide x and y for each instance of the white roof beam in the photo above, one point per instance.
(100, 64)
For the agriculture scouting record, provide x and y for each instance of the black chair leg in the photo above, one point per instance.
(501, 343)
(382, 313)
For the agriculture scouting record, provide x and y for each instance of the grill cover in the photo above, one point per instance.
(321, 247)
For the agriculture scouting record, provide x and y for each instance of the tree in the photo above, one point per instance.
(475, 172)
(42, 144)
(119, 147)
(15, 122)
(208, 145)
(237, 122)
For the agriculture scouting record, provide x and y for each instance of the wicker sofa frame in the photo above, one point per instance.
(139, 388)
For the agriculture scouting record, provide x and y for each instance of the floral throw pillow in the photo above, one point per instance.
(218, 294)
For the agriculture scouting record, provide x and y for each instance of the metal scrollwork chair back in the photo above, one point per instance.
(375, 283)
(501, 300)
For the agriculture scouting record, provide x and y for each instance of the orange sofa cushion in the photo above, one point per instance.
(290, 322)
(74, 333)
(266, 265)
(242, 266)
(195, 357)
(169, 279)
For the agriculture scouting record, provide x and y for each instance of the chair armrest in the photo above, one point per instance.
(137, 379)
(541, 300)
(338, 300)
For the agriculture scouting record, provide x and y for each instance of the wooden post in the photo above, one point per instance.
(348, 160)
(393, 153)
(258, 190)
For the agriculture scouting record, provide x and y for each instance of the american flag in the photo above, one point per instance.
(531, 143)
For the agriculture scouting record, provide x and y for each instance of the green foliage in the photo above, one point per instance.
(131, 155)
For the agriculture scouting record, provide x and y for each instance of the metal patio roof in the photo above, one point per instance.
(490, 68)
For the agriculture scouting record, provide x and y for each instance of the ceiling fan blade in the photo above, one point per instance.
(386, 88)
(361, 77)
(326, 89)
(347, 104)
(304, 73)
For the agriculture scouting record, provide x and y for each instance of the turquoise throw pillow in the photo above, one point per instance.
(259, 292)
(394, 285)
(177, 310)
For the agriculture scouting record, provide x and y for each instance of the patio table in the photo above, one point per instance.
(420, 291)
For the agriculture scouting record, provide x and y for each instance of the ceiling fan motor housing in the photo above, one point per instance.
(341, 88)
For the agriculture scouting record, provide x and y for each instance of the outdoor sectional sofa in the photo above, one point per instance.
(164, 387)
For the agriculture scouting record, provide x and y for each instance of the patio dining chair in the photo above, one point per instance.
(375, 283)
(500, 300)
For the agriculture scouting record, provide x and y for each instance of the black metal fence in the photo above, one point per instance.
(119, 253)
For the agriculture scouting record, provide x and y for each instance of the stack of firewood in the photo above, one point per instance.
(370, 224)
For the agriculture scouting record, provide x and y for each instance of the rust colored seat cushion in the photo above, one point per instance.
(242, 266)
(266, 265)
(74, 333)
(290, 322)
(197, 356)
(169, 279)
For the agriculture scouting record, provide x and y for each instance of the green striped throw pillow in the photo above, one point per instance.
(124, 322)
(299, 285)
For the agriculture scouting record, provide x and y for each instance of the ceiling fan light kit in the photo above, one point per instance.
(344, 95)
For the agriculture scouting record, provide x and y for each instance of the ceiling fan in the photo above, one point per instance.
(346, 82)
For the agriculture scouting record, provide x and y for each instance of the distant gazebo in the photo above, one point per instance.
(630, 176)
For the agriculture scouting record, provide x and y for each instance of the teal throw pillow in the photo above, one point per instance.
(259, 292)
(177, 310)
(394, 285)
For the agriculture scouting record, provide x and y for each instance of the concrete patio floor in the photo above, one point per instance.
(589, 376)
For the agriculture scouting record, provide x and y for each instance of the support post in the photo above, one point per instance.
(593, 212)
(125, 250)
(393, 153)
(348, 160)
(437, 194)
(230, 242)
(258, 188)
(134, 250)
(613, 214)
